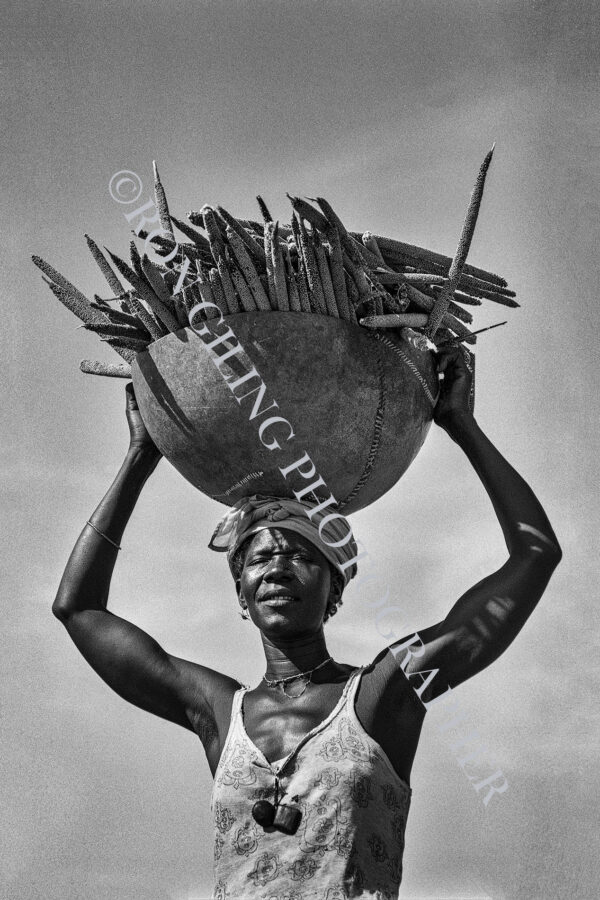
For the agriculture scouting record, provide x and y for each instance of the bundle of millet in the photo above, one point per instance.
(312, 266)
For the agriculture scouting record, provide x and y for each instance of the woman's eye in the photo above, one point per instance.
(260, 560)
(305, 558)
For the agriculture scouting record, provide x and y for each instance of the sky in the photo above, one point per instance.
(386, 109)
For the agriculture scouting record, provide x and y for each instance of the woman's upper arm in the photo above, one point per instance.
(137, 668)
(480, 626)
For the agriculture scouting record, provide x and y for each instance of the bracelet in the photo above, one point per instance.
(105, 536)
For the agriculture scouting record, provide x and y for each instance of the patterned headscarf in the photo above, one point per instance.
(252, 514)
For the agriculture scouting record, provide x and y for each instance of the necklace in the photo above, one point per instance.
(283, 681)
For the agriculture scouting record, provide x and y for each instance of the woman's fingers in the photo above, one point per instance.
(449, 357)
(130, 396)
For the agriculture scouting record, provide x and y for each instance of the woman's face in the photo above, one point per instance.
(285, 583)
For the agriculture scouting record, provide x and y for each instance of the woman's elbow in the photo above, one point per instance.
(558, 555)
(60, 609)
(543, 551)
(65, 602)
(552, 554)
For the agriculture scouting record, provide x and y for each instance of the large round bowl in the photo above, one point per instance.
(359, 405)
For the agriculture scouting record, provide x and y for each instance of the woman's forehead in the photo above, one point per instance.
(280, 539)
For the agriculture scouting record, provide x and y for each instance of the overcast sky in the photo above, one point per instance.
(386, 109)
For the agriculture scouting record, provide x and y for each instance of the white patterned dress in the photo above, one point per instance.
(354, 808)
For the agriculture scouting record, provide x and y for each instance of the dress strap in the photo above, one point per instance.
(352, 685)
(234, 731)
(236, 706)
(235, 722)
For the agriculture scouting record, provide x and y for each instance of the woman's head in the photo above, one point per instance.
(290, 561)
(282, 577)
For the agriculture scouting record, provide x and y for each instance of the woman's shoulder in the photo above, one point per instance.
(384, 678)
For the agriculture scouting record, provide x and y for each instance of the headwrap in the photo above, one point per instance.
(252, 514)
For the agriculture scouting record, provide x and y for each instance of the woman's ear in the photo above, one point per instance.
(336, 587)
(244, 613)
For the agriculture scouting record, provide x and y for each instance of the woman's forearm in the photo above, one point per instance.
(86, 580)
(520, 514)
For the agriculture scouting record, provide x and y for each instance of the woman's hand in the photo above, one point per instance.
(139, 437)
(455, 388)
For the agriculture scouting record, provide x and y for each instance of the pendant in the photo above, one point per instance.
(283, 817)
(287, 818)
(263, 812)
(295, 696)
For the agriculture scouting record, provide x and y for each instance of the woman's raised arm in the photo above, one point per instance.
(487, 618)
(130, 661)
(86, 580)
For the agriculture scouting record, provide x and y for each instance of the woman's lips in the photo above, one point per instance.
(278, 599)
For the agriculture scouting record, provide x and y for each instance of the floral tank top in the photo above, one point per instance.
(350, 838)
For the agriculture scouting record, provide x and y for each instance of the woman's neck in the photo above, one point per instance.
(291, 656)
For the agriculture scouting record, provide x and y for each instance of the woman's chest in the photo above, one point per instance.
(276, 724)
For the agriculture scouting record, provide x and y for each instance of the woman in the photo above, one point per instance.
(312, 766)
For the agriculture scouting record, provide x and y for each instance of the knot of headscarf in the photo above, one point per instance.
(252, 514)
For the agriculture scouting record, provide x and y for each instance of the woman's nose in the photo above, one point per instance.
(278, 567)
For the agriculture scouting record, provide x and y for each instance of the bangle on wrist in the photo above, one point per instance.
(105, 536)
